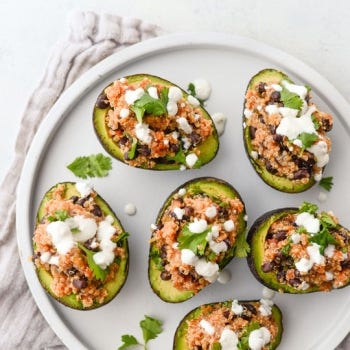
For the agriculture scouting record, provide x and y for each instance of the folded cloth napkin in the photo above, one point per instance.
(91, 37)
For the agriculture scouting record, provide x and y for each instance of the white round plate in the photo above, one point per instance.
(316, 321)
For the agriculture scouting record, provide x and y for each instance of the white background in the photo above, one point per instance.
(315, 31)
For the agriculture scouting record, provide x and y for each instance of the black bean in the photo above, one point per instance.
(80, 283)
(81, 201)
(275, 97)
(144, 150)
(227, 314)
(252, 132)
(74, 199)
(195, 138)
(345, 264)
(261, 88)
(251, 308)
(294, 282)
(270, 168)
(165, 275)
(267, 267)
(300, 174)
(277, 138)
(97, 210)
(174, 147)
(246, 317)
(281, 275)
(163, 251)
(188, 211)
(123, 141)
(222, 212)
(326, 125)
(102, 101)
(261, 119)
(280, 235)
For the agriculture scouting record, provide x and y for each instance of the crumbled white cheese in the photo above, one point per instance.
(45, 257)
(211, 212)
(184, 125)
(247, 113)
(267, 293)
(218, 247)
(229, 225)
(172, 107)
(85, 227)
(220, 122)
(208, 328)
(133, 95)
(258, 338)
(304, 265)
(224, 276)
(300, 90)
(124, 112)
(329, 276)
(153, 92)
(207, 269)
(84, 188)
(54, 260)
(188, 257)
(193, 101)
(191, 159)
(320, 150)
(130, 209)
(295, 237)
(309, 221)
(182, 192)
(61, 236)
(142, 132)
(186, 143)
(329, 250)
(174, 94)
(179, 213)
(265, 307)
(202, 88)
(228, 340)
(198, 226)
(236, 308)
(254, 154)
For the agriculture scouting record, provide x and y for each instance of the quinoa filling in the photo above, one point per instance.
(307, 250)
(195, 234)
(78, 245)
(287, 131)
(152, 123)
(233, 325)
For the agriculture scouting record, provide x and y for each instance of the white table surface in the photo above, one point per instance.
(315, 31)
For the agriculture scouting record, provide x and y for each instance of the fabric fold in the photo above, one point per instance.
(91, 37)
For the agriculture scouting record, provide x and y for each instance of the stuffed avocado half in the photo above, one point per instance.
(284, 132)
(255, 324)
(80, 248)
(148, 122)
(299, 250)
(199, 229)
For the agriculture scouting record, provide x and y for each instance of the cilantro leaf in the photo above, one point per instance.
(196, 242)
(151, 328)
(308, 207)
(179, 158)
(150, 105)
(291, 99)
(191, 89)
(323, 239)
(242, 247)
(307, 139)
(132, 151)
(243, 343)
(128, 341)
(59, 215)
(98, 272)
(96, 165)
(326, 183)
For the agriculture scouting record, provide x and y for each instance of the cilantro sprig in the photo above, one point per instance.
(291, 99)
(99, 273)
(326, 183)
(243, 343)
(147, 104)
(242, 247)
(324, 237)
(307, 139)
(59, 215)
(95, 165)
(150, 327)
(196, 242)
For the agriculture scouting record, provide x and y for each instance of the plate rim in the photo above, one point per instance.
(116, 61)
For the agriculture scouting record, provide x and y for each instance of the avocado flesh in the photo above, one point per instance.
(212, 187)
(112, 287)
(181, 331)
(256, 238)
(207, 149)
(283, 184)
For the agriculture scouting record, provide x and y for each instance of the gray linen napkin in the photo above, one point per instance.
(91, 37)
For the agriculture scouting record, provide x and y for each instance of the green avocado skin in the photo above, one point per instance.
(113, 287)
(256, 237)
(207, 149)
(277, 182)
(179, 342)
(212, 186)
